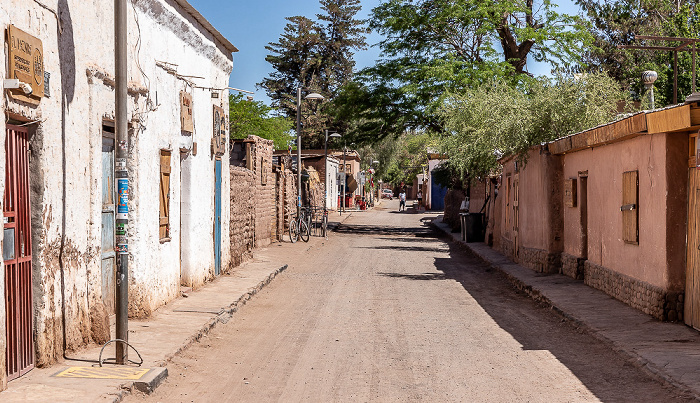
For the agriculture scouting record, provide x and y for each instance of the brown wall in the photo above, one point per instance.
(242, 215)
(661, 160)
(540, 225)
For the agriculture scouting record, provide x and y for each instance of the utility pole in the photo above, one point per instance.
(121, 175)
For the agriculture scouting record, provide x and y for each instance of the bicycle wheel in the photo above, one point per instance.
(304, 231)
(324, 227)
(293, 231)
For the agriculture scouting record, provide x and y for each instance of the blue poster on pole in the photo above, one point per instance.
(122, 199)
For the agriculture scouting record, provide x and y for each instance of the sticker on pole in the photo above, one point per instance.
(123, 199)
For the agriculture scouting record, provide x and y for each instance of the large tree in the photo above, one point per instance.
(617, 22)
(438, 46)
(317, 55)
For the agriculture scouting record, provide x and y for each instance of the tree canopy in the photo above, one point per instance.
(316, 55)
(433, 47)
(254, 118)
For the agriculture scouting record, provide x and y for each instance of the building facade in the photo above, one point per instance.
(58, 155)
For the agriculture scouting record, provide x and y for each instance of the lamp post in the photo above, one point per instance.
(371, 182)
(325, 162)
(310, 96)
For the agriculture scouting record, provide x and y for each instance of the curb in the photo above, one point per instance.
(158, 374)
(536, 295)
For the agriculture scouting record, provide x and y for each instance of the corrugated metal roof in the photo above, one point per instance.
(207, 25)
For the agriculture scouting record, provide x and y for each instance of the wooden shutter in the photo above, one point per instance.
(164, 225)
(630, 207)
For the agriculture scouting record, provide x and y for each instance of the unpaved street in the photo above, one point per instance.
(385, 310)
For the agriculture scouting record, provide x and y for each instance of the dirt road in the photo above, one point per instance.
(386, 311)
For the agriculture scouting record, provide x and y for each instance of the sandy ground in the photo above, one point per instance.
(386, 311)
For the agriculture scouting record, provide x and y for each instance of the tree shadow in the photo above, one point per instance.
(424, 276)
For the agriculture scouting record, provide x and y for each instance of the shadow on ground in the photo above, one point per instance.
(535, 327)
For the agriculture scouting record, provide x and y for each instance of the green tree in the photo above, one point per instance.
(254, 118)
(317, 55)
(437, 46)
(617, 22)
(496, 119)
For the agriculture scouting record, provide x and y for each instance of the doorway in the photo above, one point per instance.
(583, 206)
(107, 250)
(17, 254)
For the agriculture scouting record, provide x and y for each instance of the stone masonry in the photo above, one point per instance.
(647, 298)
(539, 260)
(572, 266)
(242, 215)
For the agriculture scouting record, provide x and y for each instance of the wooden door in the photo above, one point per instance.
(692, 276)
(17, 254)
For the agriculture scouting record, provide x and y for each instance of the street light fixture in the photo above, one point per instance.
(325, 162)
(313, 95)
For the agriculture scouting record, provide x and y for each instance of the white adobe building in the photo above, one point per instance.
(57, 168)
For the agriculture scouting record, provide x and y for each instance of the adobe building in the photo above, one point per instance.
(612, 206)
(57, 168)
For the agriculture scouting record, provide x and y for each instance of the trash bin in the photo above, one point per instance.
(472, 227)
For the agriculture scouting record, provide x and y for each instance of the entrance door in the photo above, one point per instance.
(437, 194)
(108, 253)
(692, 274)
(583, 205)
(217, 217)
(17, 254)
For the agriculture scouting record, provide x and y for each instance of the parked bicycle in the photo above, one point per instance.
(299, 226)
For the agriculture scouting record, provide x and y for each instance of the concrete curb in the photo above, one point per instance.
(538, 296)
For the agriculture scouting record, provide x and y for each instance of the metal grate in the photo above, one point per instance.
(18, 263)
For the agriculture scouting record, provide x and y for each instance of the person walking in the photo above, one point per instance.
(420, 198)
(402, 200)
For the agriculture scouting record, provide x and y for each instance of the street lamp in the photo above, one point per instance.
(325, 162)
(313, 95)
(371, 182)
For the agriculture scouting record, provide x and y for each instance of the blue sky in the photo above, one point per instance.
(250, 25)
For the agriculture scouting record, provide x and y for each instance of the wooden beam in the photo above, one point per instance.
(668, 120)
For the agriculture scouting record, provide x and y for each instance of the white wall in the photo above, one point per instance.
(332, 182)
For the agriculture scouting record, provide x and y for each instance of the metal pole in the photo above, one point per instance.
(675, 77)
(121, 175)
(345, 175)
(325, 171)
(298, 151)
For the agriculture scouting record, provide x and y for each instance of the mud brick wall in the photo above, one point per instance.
(453, 201)
(507, 248)
(572, 266)
(649, 299)
(289, 197)
(242, 215)
(315, 188)
(264, 191)
(539, 260)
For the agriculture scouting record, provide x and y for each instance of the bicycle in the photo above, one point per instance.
(299, 228)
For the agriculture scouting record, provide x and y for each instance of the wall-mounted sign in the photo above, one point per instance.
(26, 63)
(186, 121)
(218, 141)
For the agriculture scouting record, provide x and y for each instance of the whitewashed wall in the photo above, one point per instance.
(66, 173)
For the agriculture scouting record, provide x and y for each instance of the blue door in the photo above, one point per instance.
(217, 217)
(437, 195)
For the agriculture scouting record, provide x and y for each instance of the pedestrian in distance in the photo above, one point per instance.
(419, 196)
(402, 200)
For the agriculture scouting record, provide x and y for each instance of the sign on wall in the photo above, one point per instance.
(218, 141)
(26, 63)
(186, 121)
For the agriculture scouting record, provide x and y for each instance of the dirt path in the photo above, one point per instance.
(386, 311)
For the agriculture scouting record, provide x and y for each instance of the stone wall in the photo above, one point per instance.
(539, 260)
(264, 190)
(289, 197)
(242, 215)
(572, 266)
(649, 299)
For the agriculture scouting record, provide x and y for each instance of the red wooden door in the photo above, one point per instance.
(17, 254)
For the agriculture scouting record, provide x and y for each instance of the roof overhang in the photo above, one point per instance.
(207, 25)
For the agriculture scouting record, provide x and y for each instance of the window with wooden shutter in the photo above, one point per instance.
(630, 207)
(164, 226)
